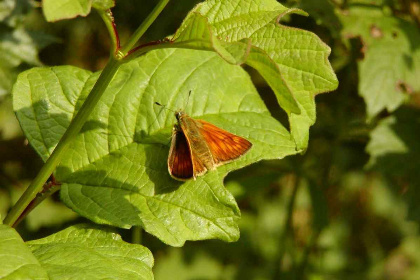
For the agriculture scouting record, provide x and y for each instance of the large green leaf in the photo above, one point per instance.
(86, 252)
(390, 69)
(17, 261)
(116, 173)
(196, 32)
(63, 9)
(302, 58)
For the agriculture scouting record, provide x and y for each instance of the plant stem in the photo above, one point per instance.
(137, 233)
(79, 120)
(143, 27)
(112, 30)
(41, 196)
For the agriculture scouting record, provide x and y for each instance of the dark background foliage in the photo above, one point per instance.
(346, 209)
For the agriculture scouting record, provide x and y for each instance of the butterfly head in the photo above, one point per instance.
(179, 115)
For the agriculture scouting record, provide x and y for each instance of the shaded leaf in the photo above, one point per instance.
(395, 151)
(16, 47)
(389, 72)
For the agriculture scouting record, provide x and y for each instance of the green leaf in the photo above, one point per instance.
(103, 4)
(393, 146)
(44, 106)
(195, 32)
(116, 171)
(395, 151)
(17, 261)
(301, 57)
(16, 47)
(64, 9)
(91, 252)
(323, 11)
(388, 73)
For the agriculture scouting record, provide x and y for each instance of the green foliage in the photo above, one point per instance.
(346, 208)
(390, 69)
(79, 251)
(119, 176)
(296, 52)
(126, 129)
(64, 9)
(18, 46)
(83, 251)
(395, 151)
(17, 261)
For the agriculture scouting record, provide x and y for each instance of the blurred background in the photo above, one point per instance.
(349, 208)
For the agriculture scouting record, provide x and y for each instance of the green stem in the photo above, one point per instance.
(40, 197)
(110, 25)
(143, 27)
(79, 120)
(163, 45)
(137, 233)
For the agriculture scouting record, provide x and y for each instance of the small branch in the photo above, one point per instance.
(143, 27)
(152, 43)
(108, 19)
(49, 189)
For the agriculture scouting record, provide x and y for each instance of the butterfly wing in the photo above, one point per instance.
(223, 145)
(180, 165)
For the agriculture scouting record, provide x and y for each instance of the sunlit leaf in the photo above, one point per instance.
(89, 252)
(64, 9)
(301, 56)
(17, 261)
(116, 171)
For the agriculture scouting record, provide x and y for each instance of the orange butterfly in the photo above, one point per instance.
(198, 146)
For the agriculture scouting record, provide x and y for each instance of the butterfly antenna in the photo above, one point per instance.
(188, 100)
(164, 107)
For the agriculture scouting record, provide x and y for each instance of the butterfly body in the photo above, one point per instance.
(198, 146)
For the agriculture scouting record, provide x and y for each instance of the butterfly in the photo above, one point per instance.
(198, 146)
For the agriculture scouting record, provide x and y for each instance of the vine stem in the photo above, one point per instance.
(108, 19)
(79, 120)
(143, 27)
(76, 124)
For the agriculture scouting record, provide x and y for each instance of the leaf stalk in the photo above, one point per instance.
(143, 27)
